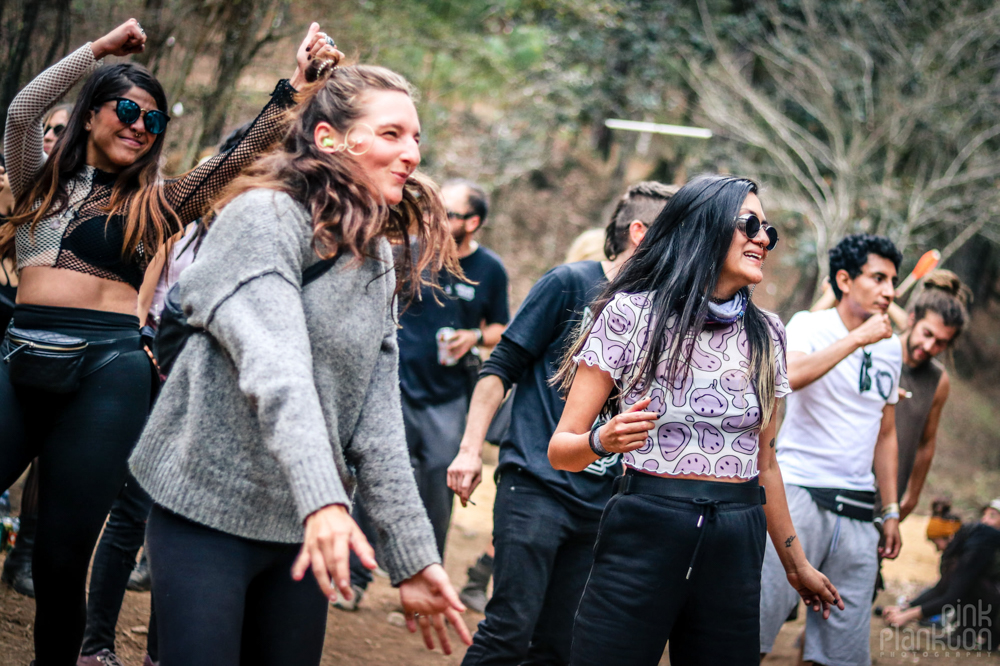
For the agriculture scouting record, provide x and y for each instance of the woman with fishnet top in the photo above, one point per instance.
(86, 223)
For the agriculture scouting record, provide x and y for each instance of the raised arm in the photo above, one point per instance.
(804, 369)
(190, 194)
(23, 134)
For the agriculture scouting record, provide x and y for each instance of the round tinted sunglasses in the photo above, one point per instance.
(128, 112)
(55, 129)
(750, 225)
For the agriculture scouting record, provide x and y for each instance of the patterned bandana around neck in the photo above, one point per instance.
(728, 312)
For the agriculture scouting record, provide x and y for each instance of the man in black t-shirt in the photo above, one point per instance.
(438, 351)
(545, 521)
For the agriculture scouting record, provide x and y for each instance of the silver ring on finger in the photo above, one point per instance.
(329, 40)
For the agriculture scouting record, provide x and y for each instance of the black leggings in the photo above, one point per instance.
(223, 599)
(82, 440)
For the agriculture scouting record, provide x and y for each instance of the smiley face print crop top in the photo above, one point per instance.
(80, 236)
(709, 420)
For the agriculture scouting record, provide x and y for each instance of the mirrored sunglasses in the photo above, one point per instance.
(128, 112)
(750, 225)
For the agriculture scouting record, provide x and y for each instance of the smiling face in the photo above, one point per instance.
(743, 265)
(393, 153)
(60, 117)
(927, 338)
(112, 145)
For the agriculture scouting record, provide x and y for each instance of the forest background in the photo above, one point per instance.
(855, 115)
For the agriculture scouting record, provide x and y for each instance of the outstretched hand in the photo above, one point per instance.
(815, 589)
(315, 47)
(126, 39)
(429, 599)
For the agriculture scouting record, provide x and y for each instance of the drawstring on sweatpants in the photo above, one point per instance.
(709, 507)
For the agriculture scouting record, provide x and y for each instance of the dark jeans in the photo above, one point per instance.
(433, 434)
(82, 441)
(223, 599)
(114, 561)
(638, 596)
(540, 546)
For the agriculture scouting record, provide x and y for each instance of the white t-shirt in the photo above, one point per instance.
(830, 429)
(709, 420)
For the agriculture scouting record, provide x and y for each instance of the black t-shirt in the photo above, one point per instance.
(462, 305)
(545, 326)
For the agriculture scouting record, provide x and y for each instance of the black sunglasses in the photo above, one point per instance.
(128, 112)
(55, 129)
(750, 225)
(865, 380)
(452, 215)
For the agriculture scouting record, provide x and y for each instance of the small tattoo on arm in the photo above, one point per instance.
(789, 540)
(772, 442)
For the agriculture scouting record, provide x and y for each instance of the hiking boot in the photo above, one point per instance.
(139, 580)
(350, 606)
(473, 595)
(17, 567)
(102, 658)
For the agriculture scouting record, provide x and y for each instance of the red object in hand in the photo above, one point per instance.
(927, 263)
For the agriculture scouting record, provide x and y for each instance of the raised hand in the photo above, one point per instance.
(316, 47)
(126, 39)
(877, 327)
(429, 599)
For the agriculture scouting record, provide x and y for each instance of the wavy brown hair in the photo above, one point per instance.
(348, 213)
(138, 190)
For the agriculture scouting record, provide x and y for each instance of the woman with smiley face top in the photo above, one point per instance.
(288, 399)
(75, 381)
(689, 369)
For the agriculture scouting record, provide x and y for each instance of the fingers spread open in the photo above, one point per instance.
(322, 575)
(442, 633)
(456, 621)
(363, 549)
(425, 629)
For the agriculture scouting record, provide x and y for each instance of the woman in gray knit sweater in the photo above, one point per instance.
(289, 398)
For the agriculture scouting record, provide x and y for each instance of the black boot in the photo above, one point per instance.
(17, 567)
(473, 595)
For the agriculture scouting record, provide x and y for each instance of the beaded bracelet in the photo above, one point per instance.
(595, 441)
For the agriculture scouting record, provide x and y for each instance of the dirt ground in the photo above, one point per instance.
(370, 636)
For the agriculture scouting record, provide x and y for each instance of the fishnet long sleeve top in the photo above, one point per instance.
(79, 236)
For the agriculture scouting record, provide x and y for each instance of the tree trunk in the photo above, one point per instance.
(243, 22)
(10, 84)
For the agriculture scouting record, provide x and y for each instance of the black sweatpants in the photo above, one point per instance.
(223, 599)
(82, 441)
(638, 596)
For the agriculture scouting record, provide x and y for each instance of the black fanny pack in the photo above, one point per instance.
(55, 362)
(174, 329)
(855, 504)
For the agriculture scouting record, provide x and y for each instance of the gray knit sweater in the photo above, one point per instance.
(292, 398)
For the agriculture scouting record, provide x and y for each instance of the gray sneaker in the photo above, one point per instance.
(343, 604)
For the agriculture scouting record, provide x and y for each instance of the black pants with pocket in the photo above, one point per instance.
(82, 441)
(639, 596)
(223, 599)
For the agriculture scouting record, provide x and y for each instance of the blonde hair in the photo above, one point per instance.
(588, 246)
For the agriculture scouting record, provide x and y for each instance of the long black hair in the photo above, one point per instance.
(137, 193)
(678, 264)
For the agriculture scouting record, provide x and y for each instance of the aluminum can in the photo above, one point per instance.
(444, 336)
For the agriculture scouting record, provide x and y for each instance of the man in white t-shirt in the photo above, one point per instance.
(843, 366)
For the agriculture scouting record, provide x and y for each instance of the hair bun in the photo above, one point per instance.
(321, 68)
(946, 281)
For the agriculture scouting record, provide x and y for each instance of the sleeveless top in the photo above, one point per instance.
(911, 414)
(80, 236)
(709, 419)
